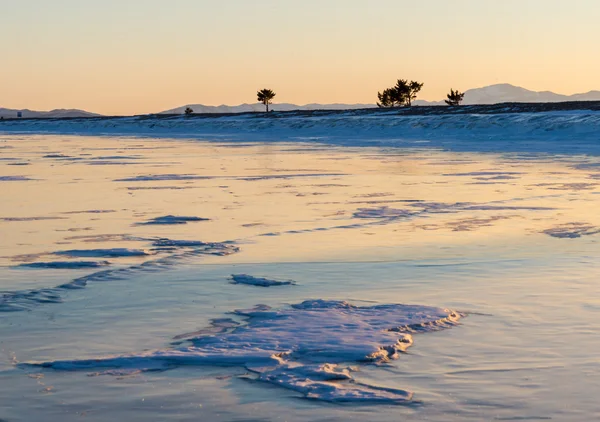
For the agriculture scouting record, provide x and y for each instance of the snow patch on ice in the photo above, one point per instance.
(326, 382)
(300, 347)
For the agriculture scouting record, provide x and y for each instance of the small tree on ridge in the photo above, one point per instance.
(454, 98)
(265, 96)
(188, 111)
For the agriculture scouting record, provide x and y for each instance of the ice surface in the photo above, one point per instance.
(300, 347)
(259, 281)
(173, 219)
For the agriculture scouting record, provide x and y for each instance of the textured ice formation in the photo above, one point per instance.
(117, 157)
(383, 212)
(134, 188)
(173, 219)
(326, 382)
(66, 264)
(197, 247)
(287, 176)
(103, 253)
(569, 186)
(159, 177)
(56, 156)
(259, 281)
(303, 347)
(170, 256)
(387, 214)
(20, 219)
(572, 230)
(178, 243)
(485, 174)
(466, 224)
(90, 212)
(14, 178)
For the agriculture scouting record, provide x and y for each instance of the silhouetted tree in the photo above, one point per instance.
(454, 98)
(188, 111)
(387, 98)
(401, 94)
(265, 96)
(411, 89)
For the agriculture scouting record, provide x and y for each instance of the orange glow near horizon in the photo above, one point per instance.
(148, 56)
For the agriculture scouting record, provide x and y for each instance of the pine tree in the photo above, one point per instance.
(411, 91)
(387, 98)
(454, 98)
(266, 96)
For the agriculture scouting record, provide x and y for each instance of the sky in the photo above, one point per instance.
(122, 57)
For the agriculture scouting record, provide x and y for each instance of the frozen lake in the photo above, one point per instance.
(409, 281)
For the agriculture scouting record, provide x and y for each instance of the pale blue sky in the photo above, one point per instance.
(139, 56)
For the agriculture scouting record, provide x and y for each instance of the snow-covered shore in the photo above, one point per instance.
(575, 131)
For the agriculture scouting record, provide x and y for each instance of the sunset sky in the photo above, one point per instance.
(140, 56)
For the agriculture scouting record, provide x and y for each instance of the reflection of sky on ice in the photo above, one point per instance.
(283, 204)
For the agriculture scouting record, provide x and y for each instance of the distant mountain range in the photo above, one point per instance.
(258, 107)
(8, 113)
(493, 94)
(507, 93)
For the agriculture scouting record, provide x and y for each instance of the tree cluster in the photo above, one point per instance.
(400, 95)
